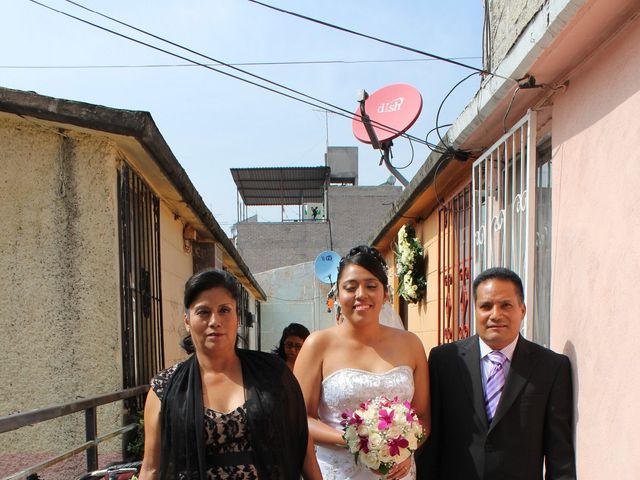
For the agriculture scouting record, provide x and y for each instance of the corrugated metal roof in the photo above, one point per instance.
(281, 185)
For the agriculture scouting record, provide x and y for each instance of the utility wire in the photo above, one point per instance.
(442, 103)
(235, 64)
(172, 53)
(432, 146)
(386, 42)
(337, 110)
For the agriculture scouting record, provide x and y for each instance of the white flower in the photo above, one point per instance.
(394, 431)
(385, 455)
(375, 441)
(369, 460)
(363, 430)
(350, 434)
(353, 444)
(368, 414)
(401, 420)
(413, 442)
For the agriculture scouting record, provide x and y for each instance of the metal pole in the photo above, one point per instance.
(91, 430)
(386, 149)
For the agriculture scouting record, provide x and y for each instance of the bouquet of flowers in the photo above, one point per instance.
(382, 432)
(410, 265)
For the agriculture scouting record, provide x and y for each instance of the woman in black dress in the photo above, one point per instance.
(224, 412)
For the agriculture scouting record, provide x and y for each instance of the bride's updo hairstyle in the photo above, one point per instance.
(368, 258)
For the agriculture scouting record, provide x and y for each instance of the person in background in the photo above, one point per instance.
(293, 336)
(224, 412)
(502, 407)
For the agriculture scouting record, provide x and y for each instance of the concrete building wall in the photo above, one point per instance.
(59, 313)
(596, 260)
(265, 246)
(294, 295)
(354, 212)
(176, 268)
(423, 316)
(507, 20)
(425, 323)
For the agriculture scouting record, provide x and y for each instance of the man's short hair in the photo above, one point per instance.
(499, 273)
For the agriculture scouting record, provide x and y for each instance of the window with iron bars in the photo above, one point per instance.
(245, 318)
(454, 267)
(140, 292)
(511, 187)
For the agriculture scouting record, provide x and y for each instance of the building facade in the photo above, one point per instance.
(102, 229)
(538, 174)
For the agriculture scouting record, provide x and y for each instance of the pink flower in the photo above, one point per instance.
(396, 444)
(345, 417)
(355, 419)
(364, 444)
(386, 418)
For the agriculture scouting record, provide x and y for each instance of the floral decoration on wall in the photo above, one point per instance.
(412, 282)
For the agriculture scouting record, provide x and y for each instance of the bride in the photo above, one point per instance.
(359, 359)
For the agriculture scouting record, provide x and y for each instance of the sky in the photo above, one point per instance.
(213, 122)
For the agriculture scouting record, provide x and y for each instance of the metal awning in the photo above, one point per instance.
(281, 185)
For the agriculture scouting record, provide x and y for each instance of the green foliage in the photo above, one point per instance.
(136, 444)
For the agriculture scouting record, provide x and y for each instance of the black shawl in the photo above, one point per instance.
(275, 411)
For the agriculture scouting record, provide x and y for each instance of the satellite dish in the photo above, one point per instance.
(326, 266)
(395, 106)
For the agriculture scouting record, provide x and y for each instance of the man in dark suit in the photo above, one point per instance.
(499, 416)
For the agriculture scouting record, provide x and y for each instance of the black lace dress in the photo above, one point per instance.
(227, 438)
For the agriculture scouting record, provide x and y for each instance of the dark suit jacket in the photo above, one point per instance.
(533, 421)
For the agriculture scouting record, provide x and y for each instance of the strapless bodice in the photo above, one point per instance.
(345, 389)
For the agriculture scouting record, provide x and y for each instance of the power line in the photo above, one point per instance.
(235, 64)
(444, 100)
(337, 110)
(376, 39)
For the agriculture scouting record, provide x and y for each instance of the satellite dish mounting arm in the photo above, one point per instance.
(385, 147)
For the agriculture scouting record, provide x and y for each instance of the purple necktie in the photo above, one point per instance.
(495, 383)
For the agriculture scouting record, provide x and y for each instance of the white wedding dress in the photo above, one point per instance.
(344, 390)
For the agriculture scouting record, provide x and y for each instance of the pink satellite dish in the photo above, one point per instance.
(394, 106)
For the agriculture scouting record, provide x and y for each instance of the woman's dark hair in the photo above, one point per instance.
(368, 258)
(291, 330)
(206, 280)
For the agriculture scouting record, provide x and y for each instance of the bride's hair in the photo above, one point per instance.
(368, 258)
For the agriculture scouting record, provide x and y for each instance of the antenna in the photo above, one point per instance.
(326, 123)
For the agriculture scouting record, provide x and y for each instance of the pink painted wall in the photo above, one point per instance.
(596, 264)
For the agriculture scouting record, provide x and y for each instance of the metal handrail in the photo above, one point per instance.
(18, 420)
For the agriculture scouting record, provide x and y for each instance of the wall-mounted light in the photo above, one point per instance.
(189, 235)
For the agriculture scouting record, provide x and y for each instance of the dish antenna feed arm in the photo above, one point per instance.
(384, 147)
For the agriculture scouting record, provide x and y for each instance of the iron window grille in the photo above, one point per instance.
(454, 267)
(140, 290)
(503, 208)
